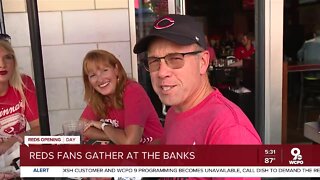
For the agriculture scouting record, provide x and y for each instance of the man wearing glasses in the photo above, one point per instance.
(177, 60)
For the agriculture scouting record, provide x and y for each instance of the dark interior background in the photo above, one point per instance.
(221, 16)
(237, 16)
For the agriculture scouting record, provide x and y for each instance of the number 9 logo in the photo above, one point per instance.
(295, 152)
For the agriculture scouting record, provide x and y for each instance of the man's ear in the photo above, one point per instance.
(204, 61)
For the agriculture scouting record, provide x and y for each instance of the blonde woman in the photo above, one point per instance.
(118, 108)
(18, 103)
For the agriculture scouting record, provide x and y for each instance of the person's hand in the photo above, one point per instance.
(4, 146)
(9, 175)
(237, 64)
(96, 124)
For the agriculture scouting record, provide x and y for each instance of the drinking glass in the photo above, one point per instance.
(73, 128)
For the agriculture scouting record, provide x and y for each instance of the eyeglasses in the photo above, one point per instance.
(5, 37)
(173, 60)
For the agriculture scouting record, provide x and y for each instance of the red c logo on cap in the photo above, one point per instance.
(167, 22)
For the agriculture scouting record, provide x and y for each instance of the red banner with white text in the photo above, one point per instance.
(303, 160)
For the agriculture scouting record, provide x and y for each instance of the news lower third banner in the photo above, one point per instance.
(170, 160)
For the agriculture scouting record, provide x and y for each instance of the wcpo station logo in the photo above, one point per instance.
(297, 157)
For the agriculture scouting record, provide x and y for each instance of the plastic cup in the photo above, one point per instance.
(73, 128)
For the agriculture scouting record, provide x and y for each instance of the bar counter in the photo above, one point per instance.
(303, 67)
(312, 131)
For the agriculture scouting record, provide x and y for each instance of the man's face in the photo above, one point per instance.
(245, 40)
(176, 87)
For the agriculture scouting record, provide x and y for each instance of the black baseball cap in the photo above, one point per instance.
(181, 29)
